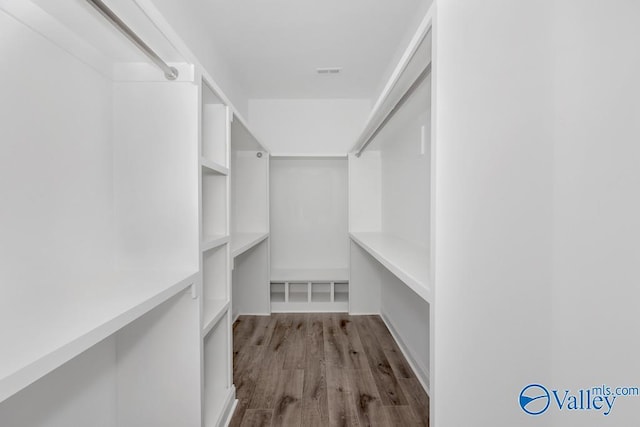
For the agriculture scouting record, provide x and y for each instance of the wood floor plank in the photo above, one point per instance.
(315, 406)
(287, 410)
(418, 399)
(390, 391)
(315, 409)
(278, 341)
(263, 395)
(243, 327)
(334, 351)
(400, 416)
(264, 327)
(247, 365)
(295, 353)
(257, 418)
(342, 409)
(239, 412)
(315, 338)
(366, 397)
(394, 355)
(324, 391)
(349, 339)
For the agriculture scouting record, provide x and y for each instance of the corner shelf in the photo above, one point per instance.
(242, 242)
(209, 166)
(66, 322)
(213, 241)
(213, 311)
(404, 259)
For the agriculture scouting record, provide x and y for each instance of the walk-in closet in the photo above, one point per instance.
(286, 213)
(158, 243)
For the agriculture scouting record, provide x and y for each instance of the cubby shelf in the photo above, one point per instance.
(291, 291)
(408, 261)
(242, 242)
(63, 323)
(209, 166)
(213, 311)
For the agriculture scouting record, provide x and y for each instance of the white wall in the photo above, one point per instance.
(308, 126)
(406, 170)
(537, 209)
(596, 283)
(309, 214)
(55, 124)
(494, 150)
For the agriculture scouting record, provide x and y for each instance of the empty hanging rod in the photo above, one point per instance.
(423, 75)
(169, 72)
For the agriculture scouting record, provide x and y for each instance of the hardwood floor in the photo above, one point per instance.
(322, 370)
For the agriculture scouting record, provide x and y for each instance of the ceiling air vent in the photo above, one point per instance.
(328, 71)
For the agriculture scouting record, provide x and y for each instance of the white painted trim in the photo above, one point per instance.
(236, 315)
(412, 48)
(242, 242)
(229, 408)
(422, 373)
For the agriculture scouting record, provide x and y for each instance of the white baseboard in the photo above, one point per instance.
(229, 408)
(421, 372)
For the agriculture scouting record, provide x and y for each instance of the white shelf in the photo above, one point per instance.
(306, 307)
(408, 261)
(213, 311)
(298, 156)
(242, 242)
(213, 167)
(62, 323)
(213, 241)
(310, 275)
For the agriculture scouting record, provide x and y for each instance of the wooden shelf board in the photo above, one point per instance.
(310, 275)
(213, 311)
(213, 241)
(242, 242)
(213, 167)
(408, 261)
(50, 328)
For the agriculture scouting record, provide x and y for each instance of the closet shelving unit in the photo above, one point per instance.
(95, 327)
(250, 224)
(309, 248)
(137, 171)
(215, 126)
(390, 207)
(310, 289)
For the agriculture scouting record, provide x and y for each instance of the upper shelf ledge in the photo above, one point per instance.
(242, 242)
(406, 260)
(408, 73)
(63, 322)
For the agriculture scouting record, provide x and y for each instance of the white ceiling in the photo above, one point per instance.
(274, 46)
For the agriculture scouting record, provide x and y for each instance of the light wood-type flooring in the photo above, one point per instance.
(322, 370)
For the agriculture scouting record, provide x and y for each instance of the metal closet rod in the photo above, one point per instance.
(169, 72)
(423, 75)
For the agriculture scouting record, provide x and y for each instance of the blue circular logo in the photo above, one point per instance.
(534, 399)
